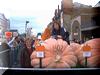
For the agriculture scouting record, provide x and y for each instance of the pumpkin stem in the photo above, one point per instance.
(58, 57)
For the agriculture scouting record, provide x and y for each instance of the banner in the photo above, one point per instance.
(8, 34)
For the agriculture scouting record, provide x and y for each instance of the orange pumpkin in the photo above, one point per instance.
(94, 60)
(58, 54)
(75, 46)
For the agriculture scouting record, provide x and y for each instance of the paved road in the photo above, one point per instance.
(3, 59)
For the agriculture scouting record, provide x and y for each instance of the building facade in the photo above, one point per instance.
(82, 22)
(4, 25)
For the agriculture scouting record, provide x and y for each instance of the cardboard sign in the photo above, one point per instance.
(40, 48)
(40, 54)
(40, 51)
(87, 54)
(86, 51)
(8, 34)
(86, 48)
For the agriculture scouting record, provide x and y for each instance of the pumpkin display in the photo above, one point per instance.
(94, 60)
(58, 54)
(75, 47)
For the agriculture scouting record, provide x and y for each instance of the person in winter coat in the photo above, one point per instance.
(6, 59)
(14, 48)
(26, 53)
(17, 46)
(10, 42)
(59, 32)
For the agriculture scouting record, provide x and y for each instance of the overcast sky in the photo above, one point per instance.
(38, 12)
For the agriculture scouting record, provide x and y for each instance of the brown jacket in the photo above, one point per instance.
(25, 58)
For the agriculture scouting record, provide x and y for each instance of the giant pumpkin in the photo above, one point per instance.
(58, 54)
(94, 60)
(75, 47)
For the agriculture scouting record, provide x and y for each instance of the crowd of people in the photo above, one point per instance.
(21, 48)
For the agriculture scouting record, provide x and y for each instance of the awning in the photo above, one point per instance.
(90, 28)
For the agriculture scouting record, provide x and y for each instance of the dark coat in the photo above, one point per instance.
(60, 32)
(5, 46)
(25, 58)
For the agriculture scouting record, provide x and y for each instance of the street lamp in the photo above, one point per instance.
(26, 26)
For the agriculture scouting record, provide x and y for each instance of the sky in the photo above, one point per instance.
(39, 13)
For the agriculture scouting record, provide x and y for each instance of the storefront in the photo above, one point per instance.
(90, 33)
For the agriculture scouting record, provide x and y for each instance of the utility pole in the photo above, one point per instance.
(26, 27)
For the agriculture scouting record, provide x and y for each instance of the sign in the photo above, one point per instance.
(40, 54)
(40, 48)
(40, 51)
(8, 34)
(75, 33)
(87, 54)
(86, 48)
(87, 51)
